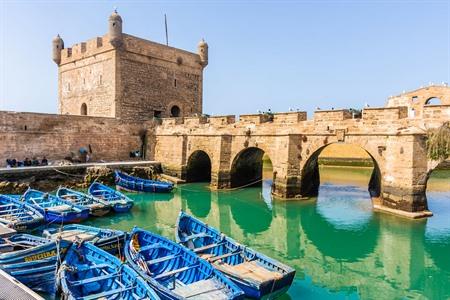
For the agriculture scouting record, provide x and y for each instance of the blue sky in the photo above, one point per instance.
(263, 54)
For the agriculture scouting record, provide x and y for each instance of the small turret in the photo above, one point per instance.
(203, 52)
(115, 29)
(57, 45)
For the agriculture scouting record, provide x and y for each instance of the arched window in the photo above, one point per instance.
(433, 101)
(83, 110)
(175, 111)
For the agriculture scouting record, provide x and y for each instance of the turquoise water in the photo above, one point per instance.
(340, 248)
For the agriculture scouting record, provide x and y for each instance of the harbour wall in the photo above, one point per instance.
(59, 136)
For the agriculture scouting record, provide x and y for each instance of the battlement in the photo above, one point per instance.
(332, 115)
(222, 120)
(385, 113)
(85, 49)
(289, 117)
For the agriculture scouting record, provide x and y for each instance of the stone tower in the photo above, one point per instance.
(115, 29)
(126, 77)
(57, 46)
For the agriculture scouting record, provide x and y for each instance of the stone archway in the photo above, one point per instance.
(247, 167)
(83, 109)
(310, 175)
(198, 168)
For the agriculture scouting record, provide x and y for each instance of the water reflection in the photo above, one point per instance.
(340, 248)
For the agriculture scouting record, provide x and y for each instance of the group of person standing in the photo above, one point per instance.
(14, 163)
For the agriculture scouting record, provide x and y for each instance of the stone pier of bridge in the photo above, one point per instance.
(232, 149)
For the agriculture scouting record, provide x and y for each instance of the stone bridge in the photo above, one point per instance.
(229, 151)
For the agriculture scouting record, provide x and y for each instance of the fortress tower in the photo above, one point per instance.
(125, 77)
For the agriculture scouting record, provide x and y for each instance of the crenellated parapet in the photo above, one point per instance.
(86, 49)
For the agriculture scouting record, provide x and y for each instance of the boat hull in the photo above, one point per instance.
(26, 226)
(122, 208)
(35, 267)
(18, 215)
(111, 241)
(99, 211)
(135, 184)
(91, 273)
(271, 277)
(118, 201)
(64, 217)
(167, 261)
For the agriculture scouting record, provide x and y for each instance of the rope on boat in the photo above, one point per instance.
(224, 190)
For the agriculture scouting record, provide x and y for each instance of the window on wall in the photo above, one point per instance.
(100, 79)
(433, 101)
(175, 111)
(83, 110)
(175, 82)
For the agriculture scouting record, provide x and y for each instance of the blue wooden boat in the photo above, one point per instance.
(90, 273)
(118, 201)
(55, 209)
(136, 184)
(32, 260)
(256, 274)
(112, 241)
(97, 207)
(175, 272)
(18, 215)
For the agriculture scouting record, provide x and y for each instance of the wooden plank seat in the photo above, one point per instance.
(220, 257)
(203, 289)
(173, 272)
(195, 236)
(249, 270)
(60, 208)
(207, 247)
(99, 266)
(73, 235)
(153, 246)
(10, 210)
(162, 259)
(94, 279)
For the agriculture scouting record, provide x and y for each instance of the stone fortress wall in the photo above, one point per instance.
(57, 136)
(122, 76)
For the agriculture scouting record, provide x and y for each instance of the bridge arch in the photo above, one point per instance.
(310, 174)
(198, 167)
(247, 167)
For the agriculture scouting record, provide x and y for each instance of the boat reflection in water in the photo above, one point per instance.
(339, 247)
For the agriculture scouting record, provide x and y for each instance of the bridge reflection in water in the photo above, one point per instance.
(339, 246)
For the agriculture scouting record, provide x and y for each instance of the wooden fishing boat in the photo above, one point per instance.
(118, 201)
(256, 274)
(97, 207)
(136, 184)
(91, 273)
(112, 241)
(55, 209)
(175, 272)
(18, 215)
(32, 260)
